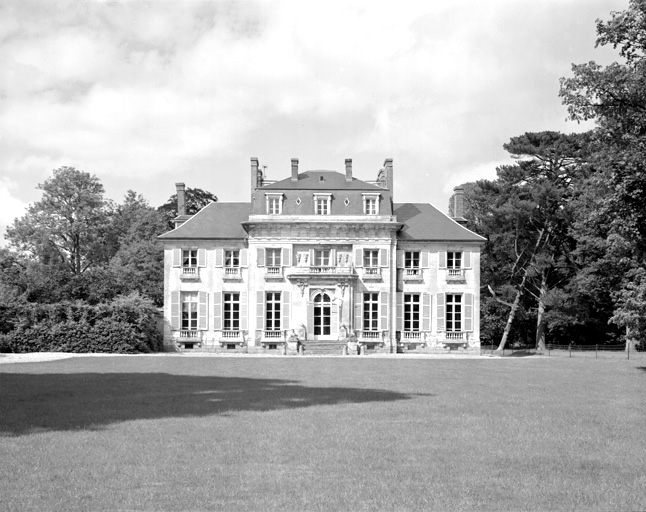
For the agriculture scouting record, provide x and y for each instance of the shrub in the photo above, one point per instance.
(124, 325)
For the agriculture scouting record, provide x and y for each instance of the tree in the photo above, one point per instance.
(196, 199)
(67, 226)
(615, 97)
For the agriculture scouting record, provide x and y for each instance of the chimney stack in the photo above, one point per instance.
(458, 205)
(181, 198)
(348, 169)
(388, 165)
(294, 169)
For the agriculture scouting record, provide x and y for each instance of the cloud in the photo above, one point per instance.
(10, 207)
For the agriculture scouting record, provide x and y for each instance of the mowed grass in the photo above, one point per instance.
(354, 433)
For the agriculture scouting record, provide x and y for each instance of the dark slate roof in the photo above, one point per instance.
(425, 222)
(311, 180)
(215, 220)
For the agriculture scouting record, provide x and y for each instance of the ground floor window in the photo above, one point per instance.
(411, 312)
(453, 312)
(370, 311)
(231, 311)
(272, 311)
(189, 311)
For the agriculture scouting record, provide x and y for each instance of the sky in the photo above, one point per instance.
(147, 94)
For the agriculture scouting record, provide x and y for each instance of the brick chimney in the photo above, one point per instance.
(458, 205)
(388, 166)
(294, 169)
(348, 169)
(181, 198)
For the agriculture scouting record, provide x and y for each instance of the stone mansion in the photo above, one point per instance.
(322, 259)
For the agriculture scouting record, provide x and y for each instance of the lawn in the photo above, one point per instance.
(354, 433)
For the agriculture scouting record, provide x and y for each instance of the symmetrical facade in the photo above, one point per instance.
(324, 258)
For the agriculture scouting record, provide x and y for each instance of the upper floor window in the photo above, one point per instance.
(272, 257)
(411, 312)
(322, 203)
(454, 260)
(232, 258)
(274, 204)
(411, 259)
(370, 258)
(453, 312)
(370, 311)
(189, 258)
(272, 311)
(231, 311)
(322, 258)
(371, 204)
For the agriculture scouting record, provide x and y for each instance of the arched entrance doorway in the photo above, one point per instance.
(322, 316)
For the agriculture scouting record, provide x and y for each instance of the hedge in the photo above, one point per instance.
(124, 325)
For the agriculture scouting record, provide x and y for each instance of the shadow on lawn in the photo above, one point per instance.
(50, 402)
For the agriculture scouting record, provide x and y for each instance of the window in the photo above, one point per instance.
(272, 311)
(411, 263)
(453, 312)
(322, 204)
(322, 257)
(272, 257)
(322, 315)
(370, 311)
(371, 258)
(232, 258)
(370, 207)
(189, 258)
(231, 311)
(411, 312)
(274, 204)
(189, 311)
(371, 204)
(454, 260)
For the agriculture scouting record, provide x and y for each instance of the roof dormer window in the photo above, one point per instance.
(322, 204)
(371, 204)
(274, 204)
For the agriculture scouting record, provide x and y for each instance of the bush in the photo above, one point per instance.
(124, 325)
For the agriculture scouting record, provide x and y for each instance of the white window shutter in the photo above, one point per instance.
(468, 312)
(261, 257)
(442, 259)
(358, 308)
(244, 257)
(217, 311)
(358, 258)
(384, 311)
(426, 312)
(177, 257)
(466, 259)
(219, 257)
(286, 257)
(202, 315)
(425, 259)
(244, 312)
(400, 312)
(441, 297)
(286, 303)
(174, 311)
(400, 259)
(201, 257)
(383, 257)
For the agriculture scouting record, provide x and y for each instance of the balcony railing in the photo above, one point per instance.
(372, 273)
(230, 335)
(412, 336)
(455, 274)
(189, 334)
(232, 273)
(412, 274)
(190, 273)
(273, 273)
(371, 335)
(273, 335)
(455, 336)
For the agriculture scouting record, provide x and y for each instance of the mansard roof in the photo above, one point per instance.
(332, 180)
(215, 220)
(422, 221)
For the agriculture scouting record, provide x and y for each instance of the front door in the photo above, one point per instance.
(322, 316)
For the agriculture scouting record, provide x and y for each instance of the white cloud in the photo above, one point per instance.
(10, 207)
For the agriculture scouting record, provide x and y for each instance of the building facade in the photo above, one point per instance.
(321, 259)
